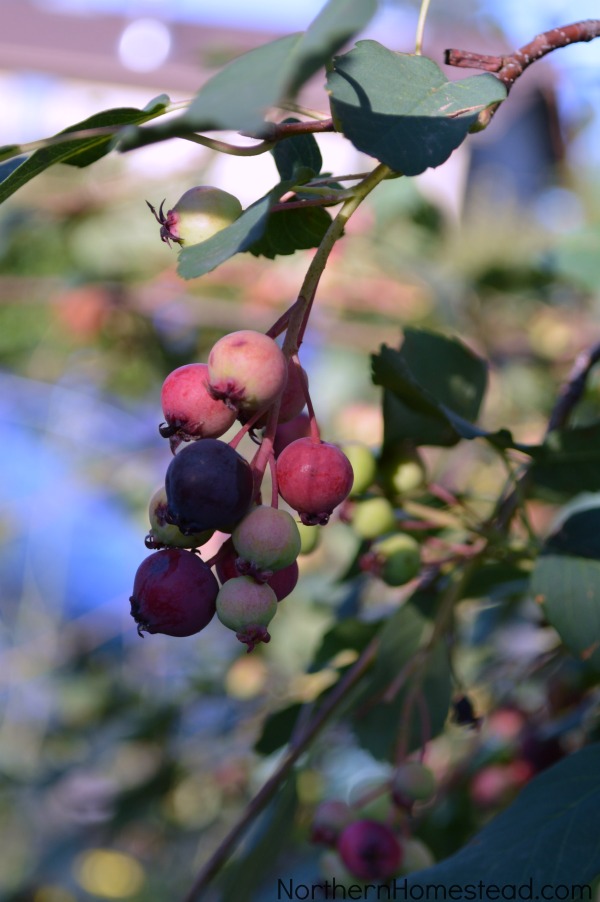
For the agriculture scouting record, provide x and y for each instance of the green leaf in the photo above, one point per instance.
(348, 634)
(288, 231)
(569, 461)
(378, 722)
(400, 109)
(577, 536)
(296, 155)
(435, 389)
(549, 836)
(80, 151)
(568, 589)
(277, 729)
(239, 96)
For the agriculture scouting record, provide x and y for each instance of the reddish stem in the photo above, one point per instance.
(508, 68)
(314, 426)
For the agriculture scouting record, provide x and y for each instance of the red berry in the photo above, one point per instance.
(189, 409)
(174, 592)
(313, 477)
(247, 370)
(370, 850)
(247, 607)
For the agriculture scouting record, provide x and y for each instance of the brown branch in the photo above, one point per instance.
(508, 68)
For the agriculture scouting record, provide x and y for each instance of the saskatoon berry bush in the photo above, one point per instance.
(408, 595)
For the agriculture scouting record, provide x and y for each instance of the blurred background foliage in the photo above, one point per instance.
(123, 762)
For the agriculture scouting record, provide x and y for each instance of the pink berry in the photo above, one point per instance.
(293, 397)
(313, 477)
(247, 607)
(247, 370)
(283, 582)
(370, 850)
(174, 592)
(189, 409)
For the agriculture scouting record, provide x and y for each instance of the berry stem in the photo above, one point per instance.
(245, 429)
(274, 487)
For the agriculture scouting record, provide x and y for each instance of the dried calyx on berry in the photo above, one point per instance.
(247, 607)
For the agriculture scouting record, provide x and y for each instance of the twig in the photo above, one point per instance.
(269, 790)
(509, 67)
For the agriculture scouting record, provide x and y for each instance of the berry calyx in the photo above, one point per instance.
(209, 486)
(247, 370)
(283, 581)
(198, 215)
(313, 477)
(370, 850)
(247, 607)
(174, 593)
(267, 538)
(164, 534)
(189, 409)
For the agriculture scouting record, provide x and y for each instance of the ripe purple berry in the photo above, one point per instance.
(370, 850)
(247, 607)
(313, 477)
(198, 214)
(174, 592)
(209, 486)
(189, 409)
(267, 539)
(247, 370)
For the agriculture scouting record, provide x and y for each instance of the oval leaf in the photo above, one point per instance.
(568, 588)
(400, 109)
(548, 836)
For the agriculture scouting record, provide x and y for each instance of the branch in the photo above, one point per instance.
(568, 397)
(269, 790)
(508, 68)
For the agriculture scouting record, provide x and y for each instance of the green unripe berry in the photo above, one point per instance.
(417, 856)
(364, 466)
(198, 215)
(267, 538)
(310, 537)
(373, 517)
(398, 559)
(413, 782)
(401, 474)
(166, 535)
(247, 607)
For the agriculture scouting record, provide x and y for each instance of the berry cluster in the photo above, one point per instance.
(371, 841)
(209, 487)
